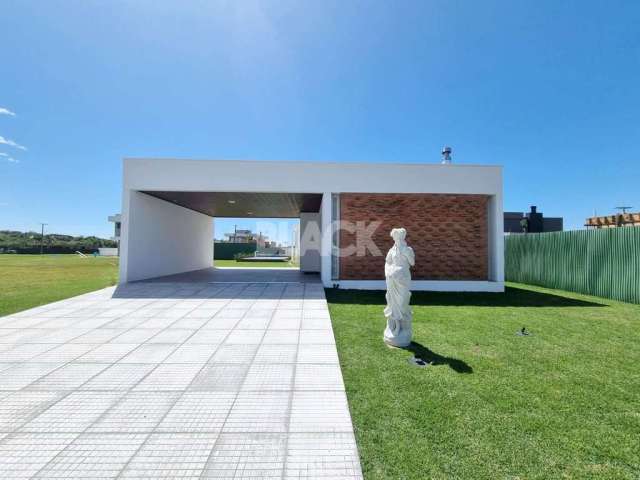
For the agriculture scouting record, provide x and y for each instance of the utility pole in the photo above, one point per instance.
(42, 238)
(235, 233)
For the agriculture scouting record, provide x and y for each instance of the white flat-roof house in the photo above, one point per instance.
(452, 213)
(116, 219)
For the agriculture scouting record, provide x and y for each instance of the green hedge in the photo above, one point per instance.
(604, 262)
(48, 250)
(227, 251)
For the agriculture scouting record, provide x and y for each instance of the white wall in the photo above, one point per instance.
(160, 238)
(326, 220)
(310, 242)
(496, 238)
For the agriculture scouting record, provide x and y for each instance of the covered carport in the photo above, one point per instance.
(171, 232)
(168, 211)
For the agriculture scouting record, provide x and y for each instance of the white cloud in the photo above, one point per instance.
(11, 143)
(9, 158)
(6, 111)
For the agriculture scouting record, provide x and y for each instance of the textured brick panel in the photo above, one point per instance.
(447, 232)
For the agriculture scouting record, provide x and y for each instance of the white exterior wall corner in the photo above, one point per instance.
(496, 236)
(325, 245)
(314, 177)
(310, 242)
(162, 239)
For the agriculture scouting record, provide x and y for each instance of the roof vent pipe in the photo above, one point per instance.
(446, 156)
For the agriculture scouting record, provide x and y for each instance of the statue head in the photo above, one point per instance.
(398, 235)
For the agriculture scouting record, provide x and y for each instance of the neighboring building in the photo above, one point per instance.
(240, 236)
(532, 222)
(452, 213)
(117, 222)
(614, 221)
(247, 236)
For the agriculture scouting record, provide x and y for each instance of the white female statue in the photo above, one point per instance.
(396, 270)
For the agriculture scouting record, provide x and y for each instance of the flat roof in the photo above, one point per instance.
(312, 162)
(301, 177)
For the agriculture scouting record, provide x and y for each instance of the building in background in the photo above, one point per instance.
(116, 219)
(613, 221)
(532, 222)
(247, 236)
(240, 236)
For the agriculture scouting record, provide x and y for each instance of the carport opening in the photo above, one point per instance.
(249, 242)
(258, 229)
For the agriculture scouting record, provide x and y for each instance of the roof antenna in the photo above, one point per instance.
(446, 156)
(624, 209)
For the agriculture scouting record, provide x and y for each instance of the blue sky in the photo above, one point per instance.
(548, 89)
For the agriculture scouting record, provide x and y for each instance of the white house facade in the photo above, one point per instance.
(453, 215)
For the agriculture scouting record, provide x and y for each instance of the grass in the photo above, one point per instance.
(563, 402)
(27, 281)
(253, 264)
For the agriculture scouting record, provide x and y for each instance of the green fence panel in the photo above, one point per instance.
(604, 262)
(226, 251)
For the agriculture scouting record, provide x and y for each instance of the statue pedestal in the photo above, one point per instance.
(400, 341)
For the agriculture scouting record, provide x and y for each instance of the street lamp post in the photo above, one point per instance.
(42, 238)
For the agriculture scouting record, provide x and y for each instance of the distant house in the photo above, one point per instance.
(240, 236)
(247, 236)
(614, 221)
(531, 222)
(116, 220)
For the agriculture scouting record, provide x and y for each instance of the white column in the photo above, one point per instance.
(325, 248)
(495, 234)
(310, 242)
(213, 239)
(123, 245)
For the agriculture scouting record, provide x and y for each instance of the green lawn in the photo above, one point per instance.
(253, 264)
(27, 281)
(563, 402)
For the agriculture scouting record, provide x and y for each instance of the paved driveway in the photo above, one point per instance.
(175, 380)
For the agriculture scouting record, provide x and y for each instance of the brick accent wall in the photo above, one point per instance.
(448, 233)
